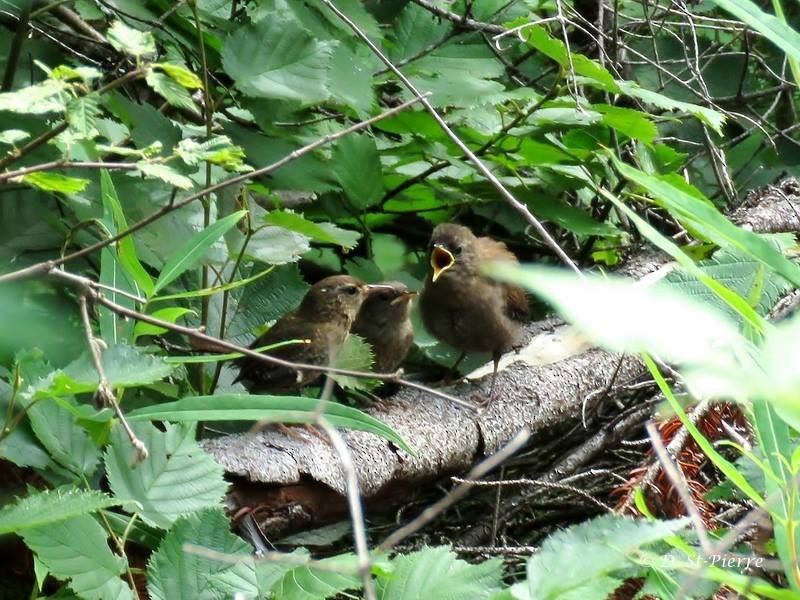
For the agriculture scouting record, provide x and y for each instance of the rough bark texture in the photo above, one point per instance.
(295, 483)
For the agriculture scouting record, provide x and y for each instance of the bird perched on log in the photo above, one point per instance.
(463, 308)
(322, 322)
(384, 321)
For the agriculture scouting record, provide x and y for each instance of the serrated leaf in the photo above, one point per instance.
(438, 574)
(67, 442)
(55, 182)
(124, 366)
(195, 248)
(129, 40)
(82, 114)
(604, 544)
(309, 583)
(251, 407)
(175, 571)
(181, 75)
(357, 166)
(355, 355)
(710, 117)
(178, 478)
(39, 509)
(172, 91)
(323, 232)
(217, 150)
(265, 300)
(40, 98)
(166, 174)
(77, 550)
(293, 66)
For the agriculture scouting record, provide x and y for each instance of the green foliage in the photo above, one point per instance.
(175, 571)
(77, 549)
(607, 149)
(177, 479)
(40, 509)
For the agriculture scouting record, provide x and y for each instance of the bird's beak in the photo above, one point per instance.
(441, 260)
(404, 297)
(374, 288)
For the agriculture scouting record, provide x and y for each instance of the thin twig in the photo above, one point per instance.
(678, 480)
(478, 471)
(354, 504)
(103, 388)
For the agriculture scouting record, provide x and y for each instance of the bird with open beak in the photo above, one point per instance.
(384, 321)
(465, 309)
(321, 324)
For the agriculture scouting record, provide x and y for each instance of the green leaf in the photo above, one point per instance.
(82, 114)
(605, 545)
(77, 549)
(623, 316)
(250, 407)
(170, 314)
(177, 571)
(55, 182)
(125, 248)
(178, 478)
(710, 117)
(172, 91)
(308, 582)
(166, 174)
(48, 96)
(715, 226)
(539, 38)
(438, 574)
(357, 166)
(129, 40)
(780, 34)
(355, 355)
(633, 123)
(11, 136)
(67, 442)
(195, 249)
(181, 75)
(267, 299)
(125, 366)
(323, 232)
(293, 66)
(217, 150)
(49, 506)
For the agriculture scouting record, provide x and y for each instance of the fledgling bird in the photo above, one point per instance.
(384, 321)
(463, 308)
(323, 318)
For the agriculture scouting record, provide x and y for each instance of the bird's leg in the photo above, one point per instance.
(446, 380)
(482, 401)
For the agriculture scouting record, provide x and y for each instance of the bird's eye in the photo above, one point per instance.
(351, 290)
(457, 250)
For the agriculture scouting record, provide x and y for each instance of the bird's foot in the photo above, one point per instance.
(482, 401)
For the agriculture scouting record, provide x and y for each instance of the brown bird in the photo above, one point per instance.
(463, 308)
(384, 321)
(322, 321)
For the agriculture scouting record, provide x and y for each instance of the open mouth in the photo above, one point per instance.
(441, 260)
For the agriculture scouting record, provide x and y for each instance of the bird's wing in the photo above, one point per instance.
(291, 327)
(516, 298)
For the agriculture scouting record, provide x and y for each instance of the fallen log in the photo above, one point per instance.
(289, 484)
